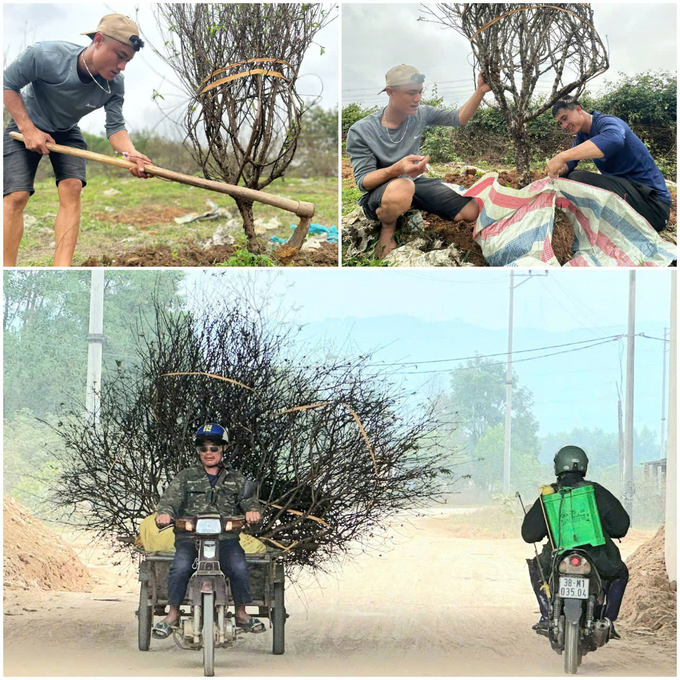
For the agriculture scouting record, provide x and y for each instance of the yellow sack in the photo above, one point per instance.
(251, 545)
(155, 540)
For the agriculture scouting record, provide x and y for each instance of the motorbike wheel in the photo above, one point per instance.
(144, 619)
(279, 620)
(571, 645)
(208, 634)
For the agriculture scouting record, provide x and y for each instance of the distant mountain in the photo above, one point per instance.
(571, 388)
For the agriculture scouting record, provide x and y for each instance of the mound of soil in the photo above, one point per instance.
(162, 256)
(35, 557)
(650, 603)
(193, 255)
(324, 256)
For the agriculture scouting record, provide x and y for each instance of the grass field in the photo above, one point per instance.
(143, 213)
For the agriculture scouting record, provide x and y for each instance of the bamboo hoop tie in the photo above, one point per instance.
(524, 9)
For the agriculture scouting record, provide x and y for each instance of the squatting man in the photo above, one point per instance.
(625, 164)
(47, 90)
(384, 149)
(208, 487)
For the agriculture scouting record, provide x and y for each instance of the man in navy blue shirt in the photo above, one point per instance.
(626, 166)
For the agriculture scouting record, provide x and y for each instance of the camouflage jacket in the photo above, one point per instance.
(190, 494)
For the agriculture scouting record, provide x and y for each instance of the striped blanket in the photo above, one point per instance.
(515, 226)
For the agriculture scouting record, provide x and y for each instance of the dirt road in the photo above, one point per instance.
(427, 604)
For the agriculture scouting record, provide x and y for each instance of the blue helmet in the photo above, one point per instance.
(211, 432)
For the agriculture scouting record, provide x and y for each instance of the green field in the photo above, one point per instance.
(142, 215)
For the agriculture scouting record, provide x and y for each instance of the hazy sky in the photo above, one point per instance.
(379, 36)
(24, 24)
(562, 300)
(439, 314)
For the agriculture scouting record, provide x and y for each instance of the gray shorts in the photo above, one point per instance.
(19, 165)
(431, 195)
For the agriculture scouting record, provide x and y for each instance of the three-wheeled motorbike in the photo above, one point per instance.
(206, 622)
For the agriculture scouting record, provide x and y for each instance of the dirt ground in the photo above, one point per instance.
(460, 233)
(194, 255)
(426, 603)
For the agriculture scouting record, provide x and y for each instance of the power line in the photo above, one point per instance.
(502, 363)
(607, 338)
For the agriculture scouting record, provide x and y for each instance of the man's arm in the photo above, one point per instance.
(557, 165)
(249, 502)
(615, 520)
(171, 501)
(410, 165)
(23, 70)
(533, 526)
(122, 143)
(34, 139)
(470, 107)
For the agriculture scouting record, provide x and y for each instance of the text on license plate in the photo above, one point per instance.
(574, 587)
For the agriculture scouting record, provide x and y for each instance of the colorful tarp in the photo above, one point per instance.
(515, 226)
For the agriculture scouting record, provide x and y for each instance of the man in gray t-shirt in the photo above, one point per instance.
(384, 148)
(47, 90)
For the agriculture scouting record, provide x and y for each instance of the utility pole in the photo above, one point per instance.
(671, 448)
(630, 399)
(507, 447)
(95, 341)
(663, 398)
(621, 439)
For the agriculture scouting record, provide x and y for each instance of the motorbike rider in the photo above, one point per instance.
(571, 465)
(205, 488)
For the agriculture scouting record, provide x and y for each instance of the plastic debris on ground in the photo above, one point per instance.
(213, 212)
(314, 230)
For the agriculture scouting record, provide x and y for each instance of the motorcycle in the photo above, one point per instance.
(578, 602)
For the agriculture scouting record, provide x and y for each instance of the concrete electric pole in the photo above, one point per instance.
(507, 447)
(95, 341)
(630, 402)
(671, 547)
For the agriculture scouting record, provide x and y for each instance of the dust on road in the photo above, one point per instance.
(427, 603)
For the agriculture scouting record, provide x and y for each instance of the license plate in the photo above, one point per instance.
(576, 588)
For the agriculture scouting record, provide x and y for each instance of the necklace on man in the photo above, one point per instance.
(387, 131)
(93, 78)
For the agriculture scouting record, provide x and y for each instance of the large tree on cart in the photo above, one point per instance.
(515, 44)
(337, 448)
(239, 65)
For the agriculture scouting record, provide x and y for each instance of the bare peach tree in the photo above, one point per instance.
(239, 64)
(514, 45)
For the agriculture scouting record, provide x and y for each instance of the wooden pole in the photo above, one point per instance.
(300, 208)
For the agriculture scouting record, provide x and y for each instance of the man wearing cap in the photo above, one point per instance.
(47, 90)
(209, 488)
(384, 148)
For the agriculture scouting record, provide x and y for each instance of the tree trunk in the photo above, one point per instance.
(246, 210)
(522, 156)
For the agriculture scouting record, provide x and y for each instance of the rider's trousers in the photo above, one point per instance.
(232, 562)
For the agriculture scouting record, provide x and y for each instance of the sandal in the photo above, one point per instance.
(251, 625)
(162, 630)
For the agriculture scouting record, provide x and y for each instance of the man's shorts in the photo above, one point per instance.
(20, 164)
(431, 195)
(643, 199)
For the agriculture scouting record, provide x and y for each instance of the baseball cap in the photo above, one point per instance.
(119, 27)
(402, 75)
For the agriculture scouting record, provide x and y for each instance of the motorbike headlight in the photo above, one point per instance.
(209, 550)
(184, 525)
(574, 564)
(208, 525)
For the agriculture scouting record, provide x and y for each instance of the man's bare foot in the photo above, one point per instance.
(382, 250)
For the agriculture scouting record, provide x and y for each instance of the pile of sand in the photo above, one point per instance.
(35, 557)
(650, 603)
